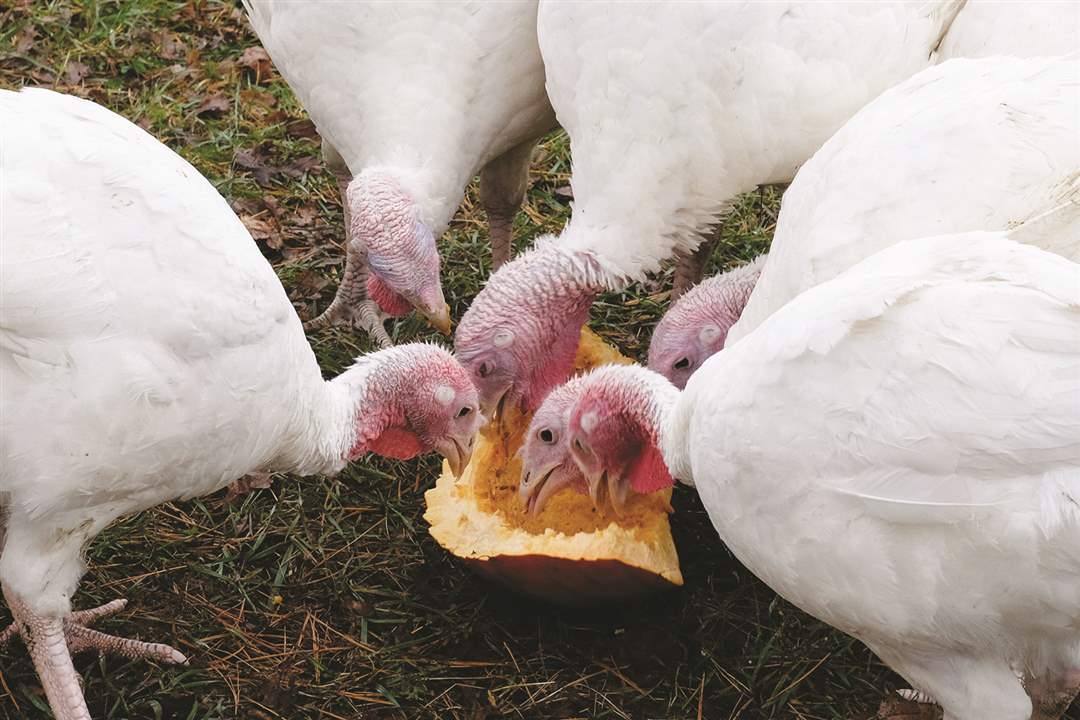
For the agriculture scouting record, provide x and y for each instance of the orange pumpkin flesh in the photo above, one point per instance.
(569, 554)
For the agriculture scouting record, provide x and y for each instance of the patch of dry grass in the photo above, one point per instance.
(327, 598)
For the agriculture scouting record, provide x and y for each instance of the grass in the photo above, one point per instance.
(326, 598)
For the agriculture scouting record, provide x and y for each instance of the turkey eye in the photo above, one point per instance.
(484, 370)
(464, 411)
(682, 363)
(546, 436)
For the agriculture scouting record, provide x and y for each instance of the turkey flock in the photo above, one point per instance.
(889, 399)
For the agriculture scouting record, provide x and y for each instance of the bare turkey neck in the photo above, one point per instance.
(559, 302)
(738, 287)
(558, 283)
(538, 295)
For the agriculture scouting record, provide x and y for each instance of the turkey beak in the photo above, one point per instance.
(534, 480)
(493, 408)
(607, 489)
(597, 482)
(439, 319)
(458, 453)
(618, 489)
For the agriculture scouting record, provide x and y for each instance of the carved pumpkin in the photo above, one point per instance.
(569, 554)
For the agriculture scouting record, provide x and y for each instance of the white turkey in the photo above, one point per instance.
(982, 28)
(672, 110)
(895, 451)
(672, 115)
(966, 145)
(412, 99)
(149, 353)
(1021, 28)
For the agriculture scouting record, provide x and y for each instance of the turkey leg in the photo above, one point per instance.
(1051, 697)
(351, 306)
(690, 269)
(52, 641)
(908, 705)
(503, 183)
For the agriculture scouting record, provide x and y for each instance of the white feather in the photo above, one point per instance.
(1022, 28)
(897, 452)
(967, 145)
(147, 349)
(675, 108)
(433, 90)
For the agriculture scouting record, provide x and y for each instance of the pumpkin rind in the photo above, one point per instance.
(568, 555)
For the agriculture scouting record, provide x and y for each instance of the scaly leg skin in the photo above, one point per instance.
(503, 183)
(691, 268)
(351, 306)
(52, 641)
(1051, 697)
(916, 696)
(903, 707)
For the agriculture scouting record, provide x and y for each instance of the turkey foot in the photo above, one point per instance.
(908, 705)
(351, 306)
(916, 696)
(364, 315)
(81, 637)
(52, 641)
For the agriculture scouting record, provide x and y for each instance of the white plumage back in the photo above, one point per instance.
(911, 423)
(145, 342)
(1021, 28)
(675, 108)
(438, 88)
(966, 145)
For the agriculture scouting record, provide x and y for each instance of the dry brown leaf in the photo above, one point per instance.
(263, 229)
(42, 77)
(26, 39)
(75, 72)
(257, 161)
(254, 161)
(302, 129)
(307, 284)
(305, 215)
(276, 117)
(216, 103)
(258, 61)
(271, 204)
(258, 97)
(171, 46)
(300, 166)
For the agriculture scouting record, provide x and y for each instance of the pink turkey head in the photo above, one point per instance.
(547, 466)
(519, 337)
(614, 437)
(696, 326)
(400, 249)
(414, 399)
